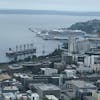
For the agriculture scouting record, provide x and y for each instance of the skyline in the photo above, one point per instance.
(58, 5)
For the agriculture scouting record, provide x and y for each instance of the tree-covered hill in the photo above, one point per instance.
(92, 26)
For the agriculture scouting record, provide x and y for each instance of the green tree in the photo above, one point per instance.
(34, 58)
(45, 98)
(27, 58)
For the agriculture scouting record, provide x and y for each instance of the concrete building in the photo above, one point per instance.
(54, 80)
(33, 67)
(70, 73)
(59, 66)
(61, 80)
(85, 44)
(47, 89)
(96, 94)
(80, 58)
(9, 96)
(81, 44)
(76, 85)
(41, 78)
(15, 68)
(82, 93)
(7, 89)
(88, 60)
(32, 96)
(72, 44)
(82, 69)
(93, 77)
(92, 59)
(68, 86)
(66, 58)
(24, 78)
(22, 96)
(1, 96)
(49, 71)
(80, 88)
(89, 98)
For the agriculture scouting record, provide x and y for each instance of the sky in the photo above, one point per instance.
(62, 5)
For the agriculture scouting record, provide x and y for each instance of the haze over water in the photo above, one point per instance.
(14, 30)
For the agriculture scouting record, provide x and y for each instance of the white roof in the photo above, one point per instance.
(48, 69)
(69, 70)
(51, 97)
(10, 88)
(35, 95)
(9, 95)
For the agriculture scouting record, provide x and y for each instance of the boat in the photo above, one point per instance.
(60, 38)
(21, 50)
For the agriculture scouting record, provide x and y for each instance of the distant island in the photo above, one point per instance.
(48, 12)
(90, 27)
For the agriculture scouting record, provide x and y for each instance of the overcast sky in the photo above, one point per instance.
(66, 5)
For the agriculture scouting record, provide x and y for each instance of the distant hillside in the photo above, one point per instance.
(48, 12)
(92, 26)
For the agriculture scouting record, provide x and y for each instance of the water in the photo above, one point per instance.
(14, 30)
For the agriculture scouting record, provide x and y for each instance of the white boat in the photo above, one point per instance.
(60, 38)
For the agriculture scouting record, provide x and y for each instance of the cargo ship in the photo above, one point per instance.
(22, 50)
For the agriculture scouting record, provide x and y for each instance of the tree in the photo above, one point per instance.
(45, 98)
(34, 58)
(27, 58)
(51, 65)
(76, 98)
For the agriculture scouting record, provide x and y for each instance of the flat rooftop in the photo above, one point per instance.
(46, 87)
(90, 98)
(46, 68)
(8, 95)
(82, 84)
(51, 97)
(10, 88)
